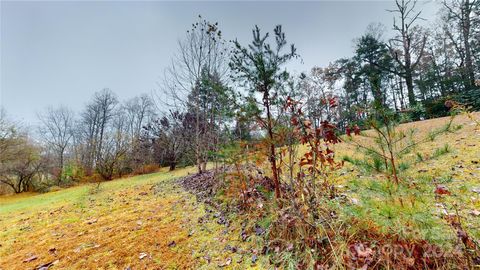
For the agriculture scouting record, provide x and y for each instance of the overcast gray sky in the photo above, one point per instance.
(56, 53)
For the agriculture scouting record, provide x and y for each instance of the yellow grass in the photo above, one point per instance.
(109, 228)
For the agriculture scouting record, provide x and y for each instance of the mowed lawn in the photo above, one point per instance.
(142, 222)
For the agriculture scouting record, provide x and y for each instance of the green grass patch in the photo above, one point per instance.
(78, 194)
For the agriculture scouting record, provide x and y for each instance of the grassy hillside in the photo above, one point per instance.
(143, 222)
(149, 222)
(451, 160)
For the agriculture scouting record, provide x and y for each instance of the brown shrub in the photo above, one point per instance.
(146, 169)
(93, 178)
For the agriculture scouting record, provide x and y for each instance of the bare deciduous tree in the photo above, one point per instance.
(56, 131)
(408, 46)
(139, 111)
(20, 159)
(116, 143)
(463, 32)
(95, 120)
(201, 52)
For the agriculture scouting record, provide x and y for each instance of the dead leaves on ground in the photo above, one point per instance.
(91, 221)
(31, 258)
(442, 190)
(42, 266)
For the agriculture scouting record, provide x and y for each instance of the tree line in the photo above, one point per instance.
(216, 93)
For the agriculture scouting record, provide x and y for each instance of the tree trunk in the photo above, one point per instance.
(272, 157)
(198, 146)
(466, 10)
(60, 174)
(204, 166)
(409, 82)
(19, 188)
(402, 96)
